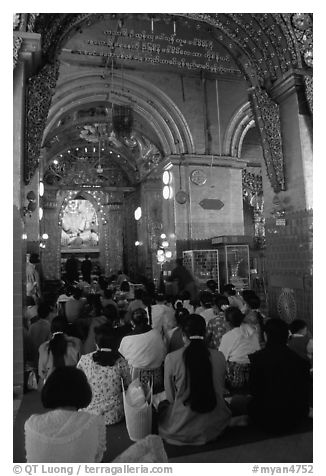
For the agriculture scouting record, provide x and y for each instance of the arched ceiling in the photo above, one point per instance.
(257, 47)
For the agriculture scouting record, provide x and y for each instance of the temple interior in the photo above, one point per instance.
(142, 138)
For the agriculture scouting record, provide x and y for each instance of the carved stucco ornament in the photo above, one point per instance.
(40, 89)
(267, 118)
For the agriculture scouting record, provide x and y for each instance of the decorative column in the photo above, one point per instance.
(296, 129)
(26, 62)
(150, 227)
(289, 221)
(131, 251)
(51, 254)
(113, 240)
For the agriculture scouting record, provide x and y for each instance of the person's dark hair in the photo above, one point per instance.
(96, 304)
(206, 298)
(181, 315)
(277, 332)
(251, 298)
(234, 316)
(34, 258)
(76, 330)
(139, 317)
(102, 282)
(58, 343)
(29, 301)
(77, 294)
(185, 295)
(108, 293)
(59, 324)
(212, 285)
(221, 301)
(106, 337)
(125, 287)
(110, 312)
(139, 293)
(199, 371)
(69, 290)
(178, 306)
(43, 310)
(160, 297)
(297, 325)
(66, 387)
(229, 289)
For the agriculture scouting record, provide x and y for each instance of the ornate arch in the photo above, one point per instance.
(149, 102)
(240, 123)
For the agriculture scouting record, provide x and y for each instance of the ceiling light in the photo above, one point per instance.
(167, 192)
(167, 177)
(41, 189)
(137, 213)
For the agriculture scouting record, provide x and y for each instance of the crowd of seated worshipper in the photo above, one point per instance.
(209, 365)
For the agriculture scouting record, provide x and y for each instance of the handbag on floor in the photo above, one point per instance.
(138, 410)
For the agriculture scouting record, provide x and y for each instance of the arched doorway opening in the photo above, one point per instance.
(80, 234)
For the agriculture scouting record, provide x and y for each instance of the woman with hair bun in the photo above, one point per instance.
(195, 411)
(104, 370)
(60, 351)
(144, 350)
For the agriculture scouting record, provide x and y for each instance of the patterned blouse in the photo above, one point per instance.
(106, 387)
(215, 329)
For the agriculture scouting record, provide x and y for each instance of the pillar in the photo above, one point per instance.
(26, 63)
(113, 233)
(289, 213)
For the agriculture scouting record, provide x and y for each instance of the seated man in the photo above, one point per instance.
(279, 382)
(75, 305)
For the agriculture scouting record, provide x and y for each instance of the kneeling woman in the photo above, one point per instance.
(195, 412)
(104, 370)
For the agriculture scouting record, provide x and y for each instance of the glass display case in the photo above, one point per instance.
(203, 264)
(234, 265)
